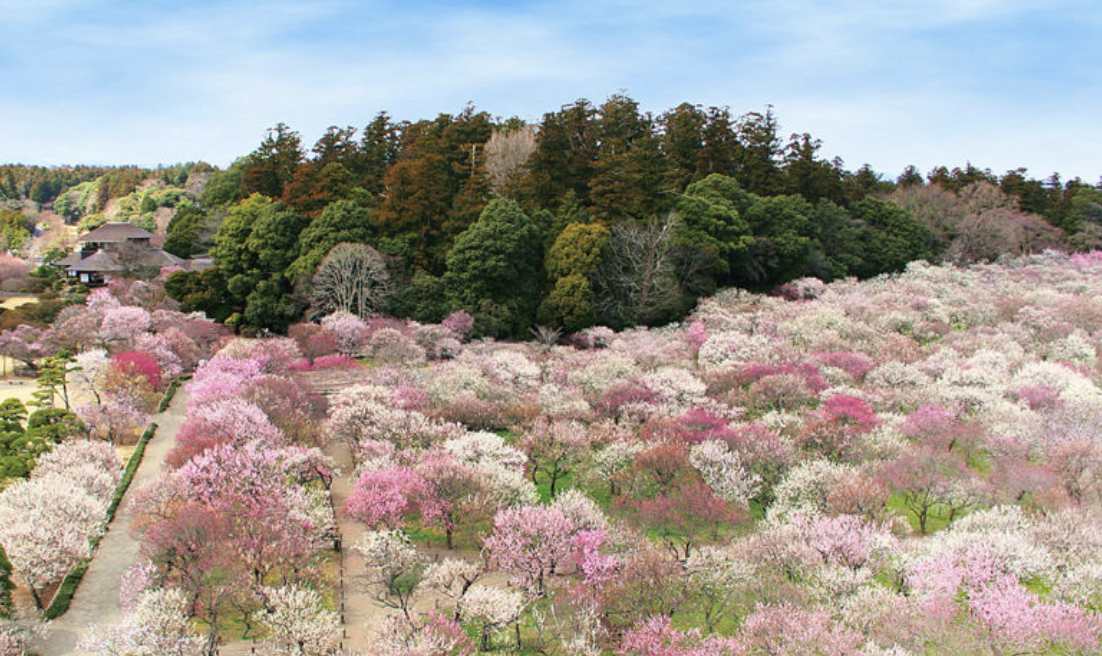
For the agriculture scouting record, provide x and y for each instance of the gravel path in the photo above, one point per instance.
(97, 598)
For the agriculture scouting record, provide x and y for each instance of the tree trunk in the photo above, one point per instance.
(211, 648)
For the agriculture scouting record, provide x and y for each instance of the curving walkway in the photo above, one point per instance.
(97, 599)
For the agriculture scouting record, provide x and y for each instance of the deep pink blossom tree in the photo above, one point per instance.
(314, 341)
(160, 350)
(386, 497)
(833, 429)
(134, 370)
(683, 516)
(291, 406)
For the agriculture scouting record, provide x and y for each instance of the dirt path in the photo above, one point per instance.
(359, 611)
(97, 598)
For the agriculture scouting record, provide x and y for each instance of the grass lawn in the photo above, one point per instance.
(936, 520)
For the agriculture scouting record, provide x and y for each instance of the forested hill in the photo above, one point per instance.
(598, 214)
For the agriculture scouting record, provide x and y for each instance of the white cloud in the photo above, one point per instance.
(885, 82)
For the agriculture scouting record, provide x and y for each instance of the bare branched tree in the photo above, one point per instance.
(132, 256)
(979, 224)
(641, 274)
(352, 278)
(506, 153)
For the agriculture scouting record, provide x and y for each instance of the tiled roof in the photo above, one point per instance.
(115, 231)
(99, 262)
(160, 258)
(68, 260)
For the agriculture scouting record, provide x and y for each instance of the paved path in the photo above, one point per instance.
(97, 598)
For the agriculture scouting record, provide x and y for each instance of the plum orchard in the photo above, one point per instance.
(906, 465)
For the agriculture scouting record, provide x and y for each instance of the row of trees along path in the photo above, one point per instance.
(97, 599)
(358, 611)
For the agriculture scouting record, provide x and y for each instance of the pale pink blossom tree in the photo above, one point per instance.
(786, 630)
(90, 371)
(395, 569)
(492, 609)
(46, 522)
(928, 478)
(156, 626)
(255, 489)
(555, 448)
(452, 578)
(437, 636)
(531, 543)
(26, 344)
(455, 493)
(122, 325)
(351, 331)
(298, 622)
(655, 636)
(115, 422)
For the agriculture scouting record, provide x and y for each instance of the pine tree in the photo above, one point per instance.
(6, 586)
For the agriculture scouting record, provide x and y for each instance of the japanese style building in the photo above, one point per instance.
(115, 248)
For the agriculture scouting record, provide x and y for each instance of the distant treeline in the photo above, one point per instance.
(606, 214)
(43, 184)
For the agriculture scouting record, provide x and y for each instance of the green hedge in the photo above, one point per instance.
(131, 469)
(64, 595)
(169, 393)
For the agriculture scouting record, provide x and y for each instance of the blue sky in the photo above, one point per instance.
(1002, 83)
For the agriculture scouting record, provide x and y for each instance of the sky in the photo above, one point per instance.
(999, 83)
